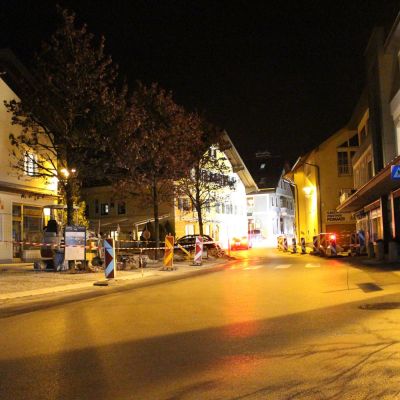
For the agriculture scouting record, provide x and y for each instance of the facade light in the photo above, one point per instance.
(308, 190)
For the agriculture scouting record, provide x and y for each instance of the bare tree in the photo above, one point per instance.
(157, 143)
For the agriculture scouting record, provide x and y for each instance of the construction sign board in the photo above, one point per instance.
(169, 253)
(109, 258)
(75, 243)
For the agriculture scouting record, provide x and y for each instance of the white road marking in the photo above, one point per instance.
(283, 266)
(256, 267)
(313, 265)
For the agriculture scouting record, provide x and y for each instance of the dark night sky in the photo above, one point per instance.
(280, 76)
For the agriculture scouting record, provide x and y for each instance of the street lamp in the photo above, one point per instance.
(65, 172)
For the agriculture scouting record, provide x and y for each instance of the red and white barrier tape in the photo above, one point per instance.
(49, 245)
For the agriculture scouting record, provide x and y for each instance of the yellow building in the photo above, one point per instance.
(22, 198)
(319, 179)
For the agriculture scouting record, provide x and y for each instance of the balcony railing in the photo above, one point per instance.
(345, 194)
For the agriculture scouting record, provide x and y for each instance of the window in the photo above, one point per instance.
(184, 204)
(121, 208)
(353, 142)
(250, 201)
(30, 164)
(344, 167)
(187, 206)
(104, 209)
(189, 229)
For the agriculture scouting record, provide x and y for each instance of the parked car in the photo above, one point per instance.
(240, 243)
(189, 241)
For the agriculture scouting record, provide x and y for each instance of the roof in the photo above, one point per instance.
(238, 164)
(267, 171)
(13, 72)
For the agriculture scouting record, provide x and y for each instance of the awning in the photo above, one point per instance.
(28, 191)
(381, 184)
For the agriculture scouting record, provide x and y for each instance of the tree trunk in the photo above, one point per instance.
(156, 221)
(200, 218)
(70, 203)
(198, 204)
(199, 212)
(70, 213)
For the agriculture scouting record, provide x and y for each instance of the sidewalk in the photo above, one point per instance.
(21, 280)
(364, 261)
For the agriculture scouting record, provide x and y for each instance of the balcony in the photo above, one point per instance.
(345, 194)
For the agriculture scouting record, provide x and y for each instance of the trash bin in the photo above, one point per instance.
(393, 251)
(370, 250)
(379, 250)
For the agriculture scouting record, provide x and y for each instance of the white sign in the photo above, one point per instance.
(334, 217)
(75, 242)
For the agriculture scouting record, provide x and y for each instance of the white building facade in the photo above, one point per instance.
(270, 213)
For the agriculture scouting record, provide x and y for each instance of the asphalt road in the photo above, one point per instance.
(271, 326)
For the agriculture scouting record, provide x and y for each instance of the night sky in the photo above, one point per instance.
(279, 76)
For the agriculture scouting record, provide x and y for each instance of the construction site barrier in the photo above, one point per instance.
(315, 245)
(285, 244)
(294, 246)
(303, 245)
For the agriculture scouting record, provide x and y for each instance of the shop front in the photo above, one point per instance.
(376, 207)
(21, 223)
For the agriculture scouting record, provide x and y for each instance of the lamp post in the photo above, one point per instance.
(68, 175)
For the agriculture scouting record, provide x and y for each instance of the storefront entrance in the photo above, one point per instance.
(27, 226)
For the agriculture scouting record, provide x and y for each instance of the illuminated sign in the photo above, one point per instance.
(395, 172)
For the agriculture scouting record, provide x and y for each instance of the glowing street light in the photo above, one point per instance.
(67, 173)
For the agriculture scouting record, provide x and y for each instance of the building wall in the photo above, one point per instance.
(319, 185)
(7, 173)
(18, 192)
(128, 213)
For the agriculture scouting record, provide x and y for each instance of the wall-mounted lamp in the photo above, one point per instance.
(308, 190)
